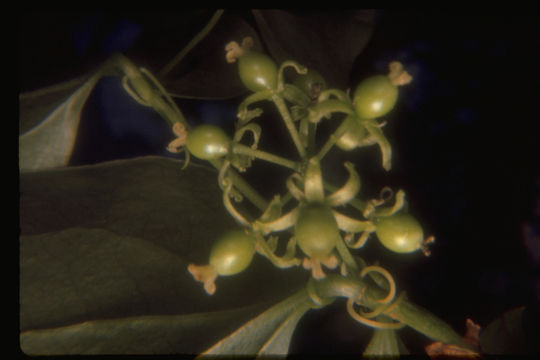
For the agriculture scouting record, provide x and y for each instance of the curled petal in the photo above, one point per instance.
(225, 179)
(398, 205)
(361, 241)
(389, 279)
(230, 207)
(284, 222)
(244, 114)
(369, 322)
(386, 149)
(338, 94)
(294, 190)
(326, 107)
(255, 130)
(351, 225)
(289, 63)
(348, 191)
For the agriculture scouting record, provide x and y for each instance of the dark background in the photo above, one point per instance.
(464, 138)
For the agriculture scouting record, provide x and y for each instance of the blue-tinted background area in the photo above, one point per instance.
(464, 138)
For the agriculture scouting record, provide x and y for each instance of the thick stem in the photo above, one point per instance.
(282, 107)
(312, 137)
(342, 128)
(412, 315)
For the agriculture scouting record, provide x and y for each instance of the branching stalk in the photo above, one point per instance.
(406, 312)
(284, 111)
(266, 156)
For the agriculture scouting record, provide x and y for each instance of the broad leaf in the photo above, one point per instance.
(112, 242)
(34, 106)
(156, 334)
(50, 143)
(327, 42)
(49, 122)
(505, 335)
(267, 334)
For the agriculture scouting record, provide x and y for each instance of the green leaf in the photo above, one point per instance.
(49, 118)
(268, 334)
(50, 143)
(385, 343)
(157, 334)
(204, 73)
(327, 42)
(111, 242)
(505, 335)
(34, 106)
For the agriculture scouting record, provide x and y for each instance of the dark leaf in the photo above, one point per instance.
(49, 118)
(50, 143)
(113, 241)
(325, 41)
(268, 334)
(505, 334)
(156, 334)
(34, 106)
(204, 73)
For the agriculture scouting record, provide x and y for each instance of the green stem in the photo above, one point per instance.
(410, 314)
(312, 131)
(263, 155)
(282, 107)
(342, 128)
(192, 43)
(241, 185)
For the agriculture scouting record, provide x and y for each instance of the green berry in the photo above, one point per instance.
(375, 97)
(232, 253)
(400, 232)
(208, 142)
(316, 230)
(257, 71)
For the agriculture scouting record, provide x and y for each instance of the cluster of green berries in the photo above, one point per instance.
(316, 230)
